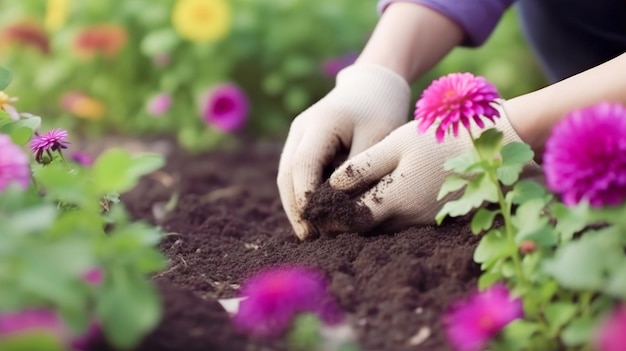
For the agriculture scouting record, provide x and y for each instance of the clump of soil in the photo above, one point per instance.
(332, 211)
(229, 223)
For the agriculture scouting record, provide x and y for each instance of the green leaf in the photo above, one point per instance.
(488, 279)
(159, 41)
(305, 333)
(5, 78)
(532, 225)
(462, 162)
(128, 308)
(116, 171)
(583, 264)
(509, 174)
(519, 331)
(32, 341)
(451, 184)
(479, 189)
(494, 245)
(578, 332)
(558, 314)
(616, 285)
(489, 143)
(516, 153)
(570, 219)
(483, 220)
(33, 219)
(525, 190)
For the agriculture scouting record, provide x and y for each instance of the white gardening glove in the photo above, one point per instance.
(368, 102)
(405, 171)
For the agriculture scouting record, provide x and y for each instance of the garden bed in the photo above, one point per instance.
(229, 223)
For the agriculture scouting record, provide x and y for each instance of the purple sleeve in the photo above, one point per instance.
(477, 17)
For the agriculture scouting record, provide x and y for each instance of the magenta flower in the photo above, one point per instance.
(585, 156)
(331, 67)
(53, 140)
(225, 107)
(471, 323)
(276, 296)
(457, 98)
(14, 324)
(13, 164)
(612, 333)
(81, 158)
(159, 104)
(94, 276)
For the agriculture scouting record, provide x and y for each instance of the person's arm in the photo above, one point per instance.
(534, 114)
(409, 39)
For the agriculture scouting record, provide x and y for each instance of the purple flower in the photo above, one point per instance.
(332, 66)
(276, 296)
(94, 277)
(44, 321)
(225, 107)
(471, 323)
(612, 333)
(159, 104)
(585, 156)
(13, 164)
(457, 98)
(53, 140)
(81, 158)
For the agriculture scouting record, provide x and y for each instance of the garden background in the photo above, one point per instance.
(93, 67)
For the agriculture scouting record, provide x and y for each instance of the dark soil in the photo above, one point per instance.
(229, 223)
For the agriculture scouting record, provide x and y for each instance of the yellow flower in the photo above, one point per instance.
(56, 14)
(5, 105)
(202, 20)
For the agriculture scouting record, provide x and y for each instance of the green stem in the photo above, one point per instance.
(585, 303)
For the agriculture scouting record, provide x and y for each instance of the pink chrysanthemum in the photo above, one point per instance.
(53, 140)
(457, 98)
(471, 323)
(276, 296)
(44, 321)
(612, 333)
(159, 104)
(225, 107)
(13, 164)
(585, 156)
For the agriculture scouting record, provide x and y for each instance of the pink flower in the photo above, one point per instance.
(13, 164)
(81, 158)
(471, 323)
(332, 66)
(225, 107)
(53, 140)
(585, 156)
(94, 277)
(457, 98)
(44, 321)
(612, 333)
(276, 296)
(159, 104)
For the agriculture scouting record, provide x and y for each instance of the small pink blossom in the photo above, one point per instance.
(585, 156)
(225, 107)
(94, 277)
(276, 296)
(14, 324)
(159, 104)
(81, 158)
(332, 66)
(455, 99)
(471, 323)
(13, 164)
(612, 333)
(53, 140)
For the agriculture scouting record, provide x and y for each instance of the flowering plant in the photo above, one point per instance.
(72, 263)
(553, 262)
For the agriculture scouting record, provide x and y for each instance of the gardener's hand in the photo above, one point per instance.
(368, 102)
(405, 172)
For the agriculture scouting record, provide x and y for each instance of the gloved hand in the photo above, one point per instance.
(406, 173)
(368, 102)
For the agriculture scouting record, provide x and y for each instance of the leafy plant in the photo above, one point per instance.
(65, 258)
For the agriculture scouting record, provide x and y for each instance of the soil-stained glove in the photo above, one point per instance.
(405, 172)
(368, 102)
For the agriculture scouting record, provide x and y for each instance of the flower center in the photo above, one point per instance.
(202, 14)
(223, 105)
(4, 98)
(486, 323)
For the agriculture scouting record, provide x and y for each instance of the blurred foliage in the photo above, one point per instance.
(274, 50)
